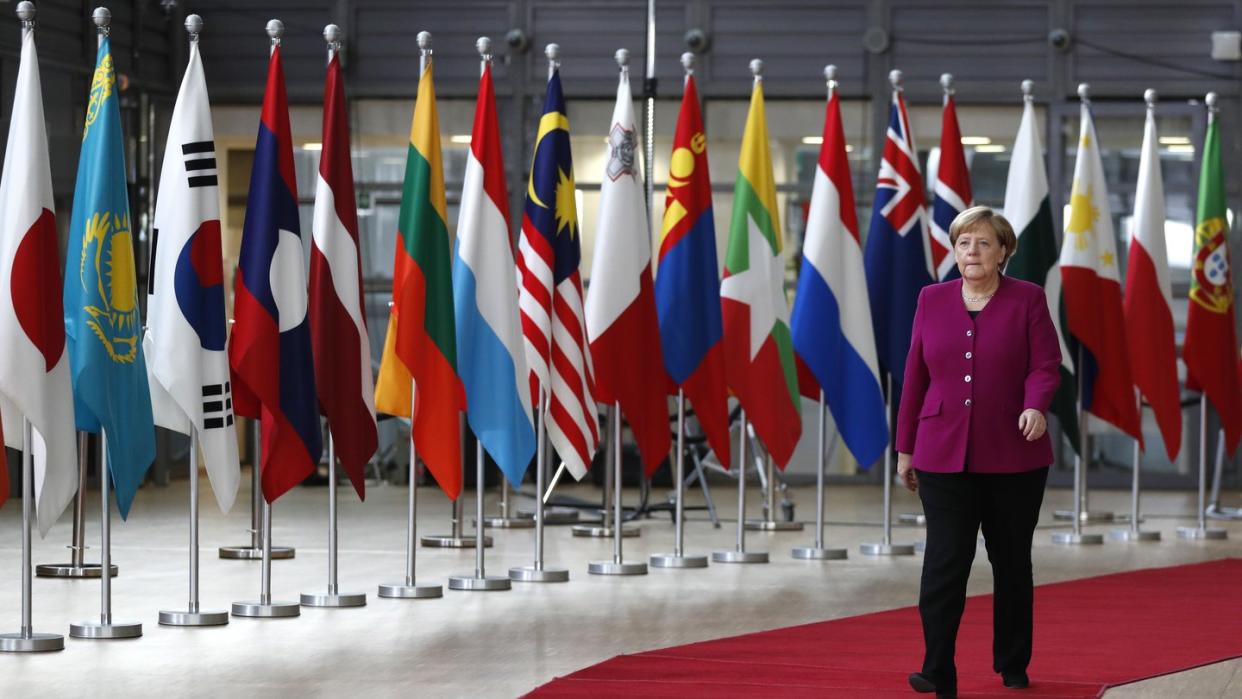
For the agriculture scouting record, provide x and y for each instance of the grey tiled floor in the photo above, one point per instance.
(496, 644)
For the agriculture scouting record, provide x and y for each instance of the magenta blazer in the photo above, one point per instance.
(967, 380)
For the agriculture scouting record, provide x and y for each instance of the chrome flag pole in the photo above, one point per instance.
(538, 572)
(26, 640)
(886, 547)
(76, 567)
(678, 558)
(818, 551)
(618, 565)
(1076, 536)
(740, 554)
(1201, 530)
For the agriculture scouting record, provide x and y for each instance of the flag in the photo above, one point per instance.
(421, 343)
(492, 356)
(1036, 260)
(1149, 299)
(1210, 348)
(550, 295)
(270, 351)
(831, 322)
(759, 359)
(1093, 291)
(338, 323)
(34, 369)
(102, 322)
(950, 192)
(187, 331)
(897, 257)
(687, 288)
(622, 325)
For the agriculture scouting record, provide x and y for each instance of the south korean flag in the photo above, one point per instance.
(187, 332)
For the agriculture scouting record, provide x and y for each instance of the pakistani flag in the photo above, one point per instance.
(1036, 260)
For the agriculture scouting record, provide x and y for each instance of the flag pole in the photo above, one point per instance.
(818, 551)
(26, 640)
(886, 547)
(333, 597)
(411, 589)
(603, 528)
(740, 554)
(254, 550)
(76, 567)
(1076, 536)
(193, 615)
(538, 572)
(104, 628)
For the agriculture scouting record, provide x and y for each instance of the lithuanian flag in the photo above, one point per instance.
(759, 359)
(421, 346)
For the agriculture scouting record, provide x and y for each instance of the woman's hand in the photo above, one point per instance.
(905, 471)
(1033, 424)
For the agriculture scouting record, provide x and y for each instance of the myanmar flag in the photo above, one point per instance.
(421, 345)
(759, 359)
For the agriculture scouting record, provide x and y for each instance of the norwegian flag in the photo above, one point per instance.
(950, 191)
(898, 254)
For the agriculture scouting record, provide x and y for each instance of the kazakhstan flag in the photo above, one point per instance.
(103, 327)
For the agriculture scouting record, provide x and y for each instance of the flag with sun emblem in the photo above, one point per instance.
(1091, 280)
(102, 323)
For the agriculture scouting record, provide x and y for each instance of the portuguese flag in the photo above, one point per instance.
(1210, 349)
(421, 345)
(759, 359)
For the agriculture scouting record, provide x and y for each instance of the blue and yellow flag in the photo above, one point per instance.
(103, 327)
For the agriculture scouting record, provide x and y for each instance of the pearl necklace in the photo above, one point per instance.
(976, 299)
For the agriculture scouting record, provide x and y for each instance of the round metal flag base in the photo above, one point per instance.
(1132, 535)
(68, 570)
(811, 553)
(212, 618)
(736, 556)
(415, 591)
(541, 575)
(766, 525)
(1218, 512)
(508, 522)
(271, 610)
(339, 599)
(672, 560)
(34, 643)
(615, 568)
(1193, 533)
(250, 553)
(453, 542)
(1084, 517)
(599, 531)
(1072, 539)
(886, 549)
(913, 518)
(470, 583)
(553, 515)
(95, 629)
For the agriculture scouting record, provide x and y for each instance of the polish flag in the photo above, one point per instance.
(337, 318)
(622, 324)
(34, 369)
(1149, 299)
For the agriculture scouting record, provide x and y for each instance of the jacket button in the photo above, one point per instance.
(967, 402)
(970, 333)
(969, 355)
(968, 378)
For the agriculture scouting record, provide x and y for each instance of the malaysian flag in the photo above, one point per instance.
(550, 292)
(898, 247)
(950, 187)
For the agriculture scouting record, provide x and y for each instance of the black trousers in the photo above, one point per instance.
(956, 505)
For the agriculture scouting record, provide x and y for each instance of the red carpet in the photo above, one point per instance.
(1090, 634)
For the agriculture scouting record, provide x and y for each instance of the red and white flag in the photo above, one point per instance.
(34, 369)
(950, 189)
(1149, 299)
(1092, 291)
(622, 324)
(337, 318)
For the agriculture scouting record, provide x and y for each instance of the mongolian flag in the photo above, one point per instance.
(270, 350)
(421, 344)
(687, 288)
(102, 323)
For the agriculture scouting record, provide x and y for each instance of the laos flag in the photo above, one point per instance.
(270, 350)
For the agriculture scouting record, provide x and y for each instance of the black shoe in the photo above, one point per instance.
(1015, 680)
(925, 685)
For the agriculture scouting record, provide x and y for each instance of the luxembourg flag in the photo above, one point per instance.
(491, 354)
(831, 321)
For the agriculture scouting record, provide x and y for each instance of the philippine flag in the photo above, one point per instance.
(270, 351)
(491, 354)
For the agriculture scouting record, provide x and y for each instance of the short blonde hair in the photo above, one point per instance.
(976, 216)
